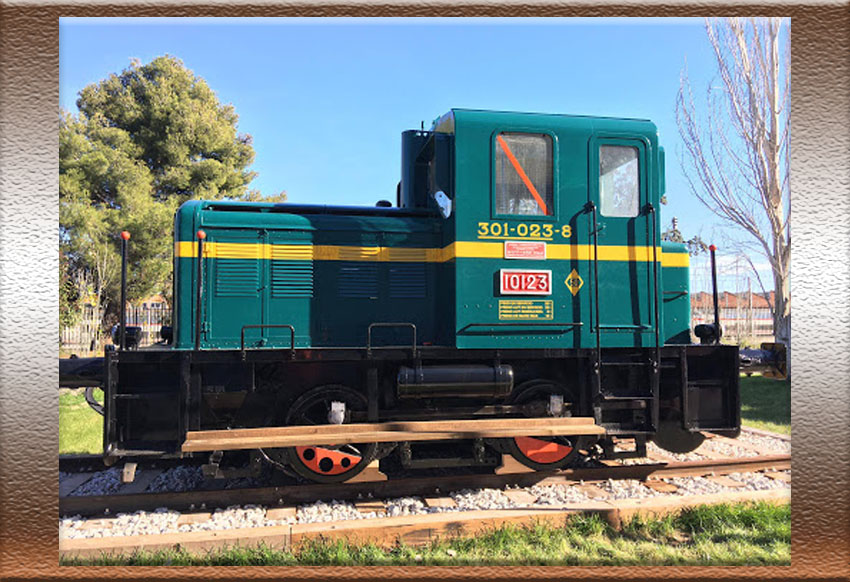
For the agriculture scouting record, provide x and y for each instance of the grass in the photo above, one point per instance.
(80, 427)
(751, 534)
(766, 404)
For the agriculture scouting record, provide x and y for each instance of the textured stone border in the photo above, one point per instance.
(412, 530)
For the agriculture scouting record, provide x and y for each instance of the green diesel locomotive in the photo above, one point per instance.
(520, 275)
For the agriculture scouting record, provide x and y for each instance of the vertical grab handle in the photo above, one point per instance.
(591, 207)
(656, 291)
(122, 342)
(200, 289)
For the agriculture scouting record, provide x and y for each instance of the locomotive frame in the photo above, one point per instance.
(293, 315)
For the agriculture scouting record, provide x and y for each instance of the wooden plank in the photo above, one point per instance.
(520, 496)
(709, 454)
(372, 472)
(193, 541)
(103, 523)
(370, 505)
(445, 502)
(661, 486)
(626, 509)
(660, 455)
(129, 472)
(593, 491)
(281, 512)
(288, 436)
(725, 481)
(401, 426)
(511, 466)
(192, 518)
(226, 441)
(422, 529)
(448, 425)
(785, 477)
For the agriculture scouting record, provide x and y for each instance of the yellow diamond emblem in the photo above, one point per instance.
(574, 282)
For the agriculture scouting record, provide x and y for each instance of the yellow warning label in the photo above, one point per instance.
(526, 309)
(574, 282)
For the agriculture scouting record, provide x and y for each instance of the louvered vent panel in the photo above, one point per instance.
(237, 278)
(407, 281)
(358, 280)
(292, 278)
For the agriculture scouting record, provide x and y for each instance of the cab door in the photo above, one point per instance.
(510, 270)
(620, 191)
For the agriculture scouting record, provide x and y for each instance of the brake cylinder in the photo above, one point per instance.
(464, 381)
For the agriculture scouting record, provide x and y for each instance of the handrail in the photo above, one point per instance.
(269, 325)
(388, 324)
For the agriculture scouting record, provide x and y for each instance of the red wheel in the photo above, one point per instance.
(328, 460)
(541, 453)
(327, 463)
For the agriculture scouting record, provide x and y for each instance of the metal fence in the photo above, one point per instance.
(741, 325)
(87, 338)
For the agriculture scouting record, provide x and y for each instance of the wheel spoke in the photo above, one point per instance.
(351, 449)
(327, 463)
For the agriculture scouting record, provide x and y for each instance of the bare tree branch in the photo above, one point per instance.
(736, 158)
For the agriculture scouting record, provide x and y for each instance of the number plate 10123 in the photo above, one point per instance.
(525, 282)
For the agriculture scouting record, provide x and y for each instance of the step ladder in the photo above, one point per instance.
(606, 398)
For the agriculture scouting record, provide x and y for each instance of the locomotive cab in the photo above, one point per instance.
(549, 222)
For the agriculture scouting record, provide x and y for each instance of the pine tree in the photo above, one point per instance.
(144, 141)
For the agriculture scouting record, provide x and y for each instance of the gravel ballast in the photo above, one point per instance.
(166, 521)
(776, 445)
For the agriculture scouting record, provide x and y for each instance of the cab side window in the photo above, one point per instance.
(524, 174)
(619, 181)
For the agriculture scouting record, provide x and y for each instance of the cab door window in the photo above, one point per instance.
(619, 181)
(524, 174)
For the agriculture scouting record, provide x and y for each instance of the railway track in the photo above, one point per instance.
(285, 514)
(284, 495)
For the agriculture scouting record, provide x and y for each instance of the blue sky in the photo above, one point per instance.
(326, 100)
